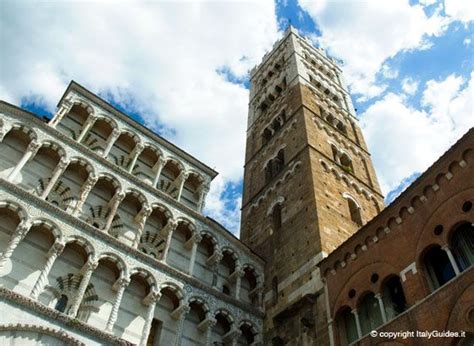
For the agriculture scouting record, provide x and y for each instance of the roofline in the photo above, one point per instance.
(74, 86)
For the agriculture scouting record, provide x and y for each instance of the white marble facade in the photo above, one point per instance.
(103, 240)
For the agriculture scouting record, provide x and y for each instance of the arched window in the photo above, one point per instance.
(61, 303)
(462, 245)
(278, 162)
(346, 163)
(276, 217)
(266, 136)
(438, 266)
(393, 297)
(354, 211)
(275, 290)
(369, 313)
(347, 326)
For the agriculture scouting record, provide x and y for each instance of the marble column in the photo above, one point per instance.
(356, 316)
(237, 277)
(193, 243)
(206, 327)
(158, 168)
(382, 307)
(451, 259)
(30, 151)
(85, 190)
(180, 315)
(119, 286)
(53, 254)
(58, 171)
(140, 219)
(110, 142)
(16, 237)
(86, 272)
(181, 180)
(203, 191)
(150, 301)
(64, 108)
(168, 229)
(113, 205)
(87, 126)
(136, 152)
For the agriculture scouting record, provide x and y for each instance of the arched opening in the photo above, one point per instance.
(166, 325)
(144, 167)
(335, 153)
(393, 297)
(179, 256)
(226, 267)
(132, 312)
(220, 329)
(10, 219)
(369, 313)
(66, 190)
(62, 303)
(346, 325)
(191, 334)
(122, 148)
(96, 138)
(266, 136)
(37, 172)
(247, 335)
(346, 163)
(248, 285)
(202, 269)
(127, 212)
(12, 149)
(153, 240)
(462, 245)
(168, 177)
(103, 280)
(73, 122)
(438, 267)
(354, 211)
(96, 207)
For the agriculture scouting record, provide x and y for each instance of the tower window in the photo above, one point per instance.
(354, 211)
(62, 303)
(275, 290)
(275, 166)
(276, 217)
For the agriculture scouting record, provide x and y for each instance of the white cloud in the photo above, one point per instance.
(461, 10)
(388, 72)
(365, 34)
(427, 2)
(404, 140)
(163, 56)
(467, 41)
(409, 86)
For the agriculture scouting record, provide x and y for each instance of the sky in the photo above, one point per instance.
(181, 68)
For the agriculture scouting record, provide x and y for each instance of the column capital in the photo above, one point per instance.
(90, 265)
(118, 197)
(194, 239)
(63, 163)
(139, 147)
(115, 133)
(446, 248)
(237, 273)
(33, 146)
(216, 257)
(57, 248)
(231, 334)
(152, 298)
(23, 228)
(183, 176)
(121, 282)
(180, 311)
(354, 311)
(206, 324)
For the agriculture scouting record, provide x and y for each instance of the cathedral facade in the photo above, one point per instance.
(103, 239)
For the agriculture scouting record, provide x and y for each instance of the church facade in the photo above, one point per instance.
(103, 239)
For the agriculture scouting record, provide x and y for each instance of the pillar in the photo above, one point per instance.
(202, 197)
(119, 286)
(231, 336)
(28, 154)
(85, 190)
(136, 152)
(356, 316)
(328, 313)
(87, 126)
(181, 180)
(169, 229)
(110, 142)
(141, 218)
(193, 242)
(150, 301)
(53, 253)
(114, 204)
(86, 272)
(17, 236)
(64, 108)
(237, 277)
(159, 167)
(58, 171)
(382, 307)
(180, 315)
(206, 327)
(451, 259)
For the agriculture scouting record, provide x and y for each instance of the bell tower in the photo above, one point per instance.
(309, 182)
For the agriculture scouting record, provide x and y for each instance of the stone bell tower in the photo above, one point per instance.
(309, 182)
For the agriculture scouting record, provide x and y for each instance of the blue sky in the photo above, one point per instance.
(182, 69)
